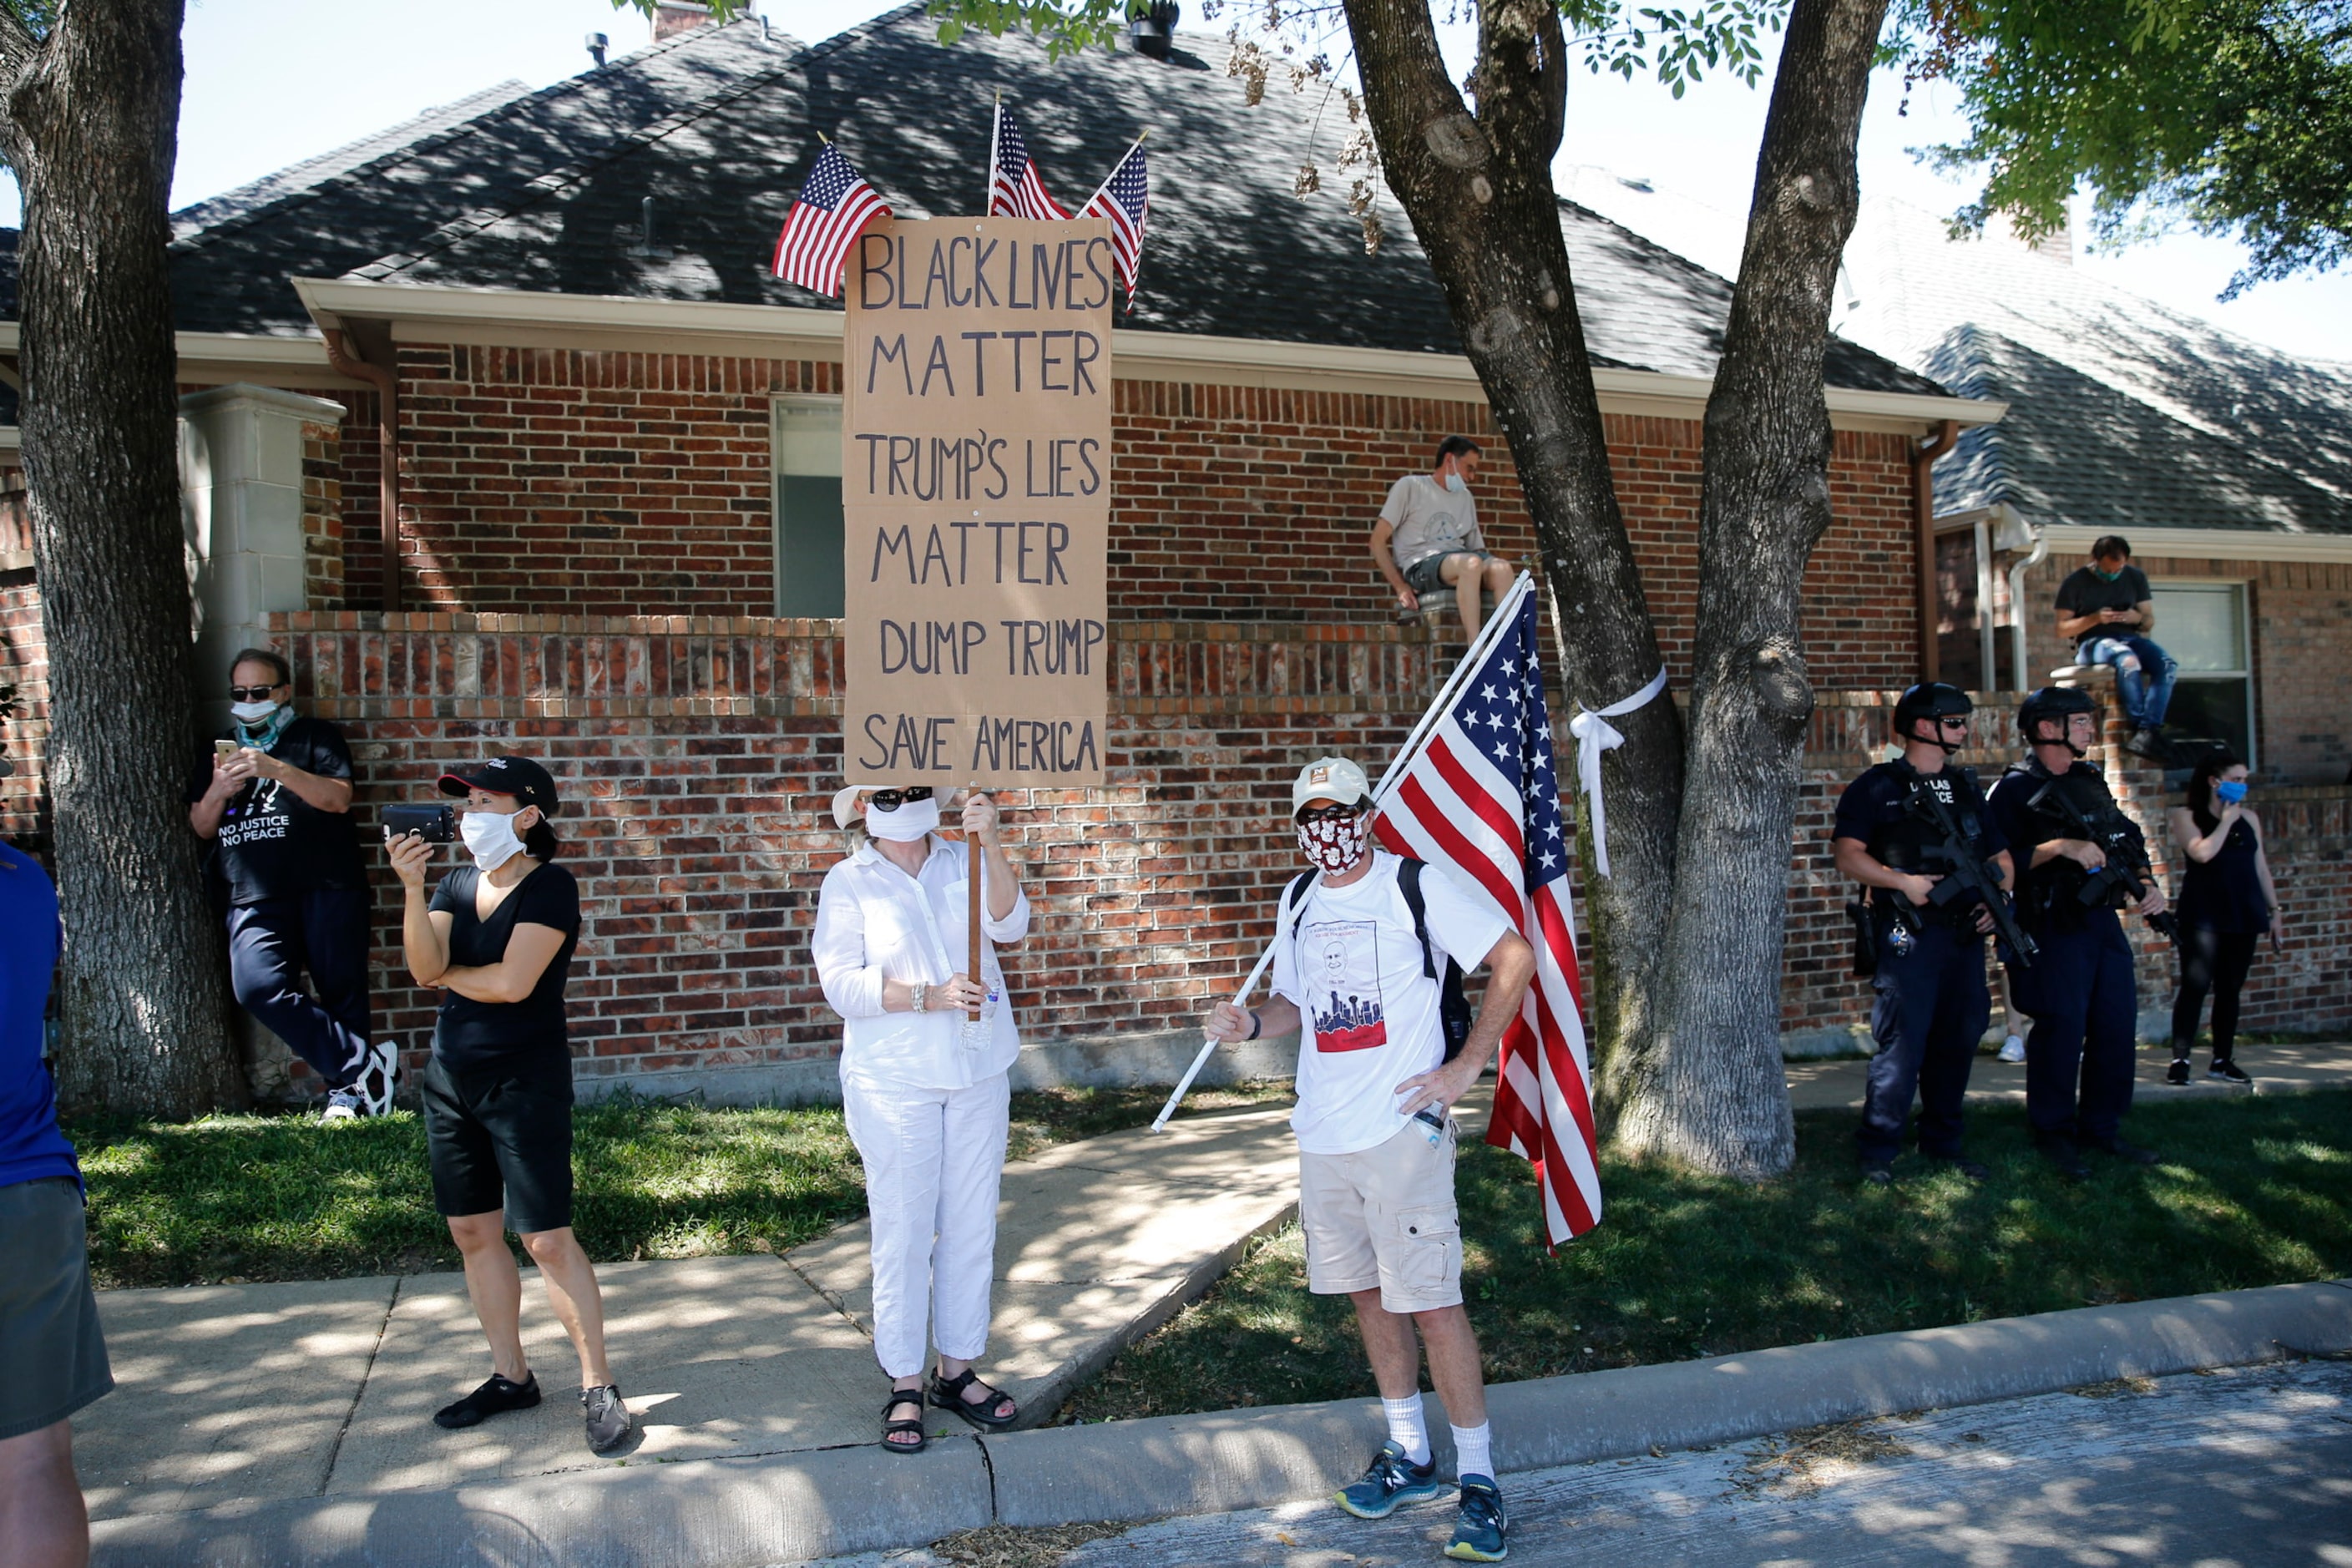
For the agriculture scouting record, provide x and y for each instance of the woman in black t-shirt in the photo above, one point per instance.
(496, 939)
(2228, 901)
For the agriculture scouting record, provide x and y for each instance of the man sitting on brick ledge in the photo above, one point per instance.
(2106, 608)
(1358, 953)
(1427, 538)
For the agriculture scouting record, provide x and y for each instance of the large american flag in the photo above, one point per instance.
(1125, 199)
(835, 203)
(1014, 188)
(1480, 798)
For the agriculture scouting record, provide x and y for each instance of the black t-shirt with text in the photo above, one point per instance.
(477, 1034)
(2085, 592)
(272, 843)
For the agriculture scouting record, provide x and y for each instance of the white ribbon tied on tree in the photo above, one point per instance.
(1595, 736)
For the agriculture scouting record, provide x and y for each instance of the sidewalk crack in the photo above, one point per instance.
(988, 1468)
(838, 1303)
(335, 1452)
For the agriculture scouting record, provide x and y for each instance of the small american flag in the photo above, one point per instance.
(1014, 188)
(1125, 199)
(836, 204)
(1482, 799)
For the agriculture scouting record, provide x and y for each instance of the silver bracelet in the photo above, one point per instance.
(920, 1003)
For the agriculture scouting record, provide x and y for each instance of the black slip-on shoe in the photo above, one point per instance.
(495, 1397)
(2226, 1071)
(2176, 1074)
(608, 1419)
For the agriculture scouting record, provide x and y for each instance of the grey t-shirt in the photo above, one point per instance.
(1429, 519)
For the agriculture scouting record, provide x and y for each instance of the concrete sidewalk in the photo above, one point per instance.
(263, 1393)
(2276, 1070)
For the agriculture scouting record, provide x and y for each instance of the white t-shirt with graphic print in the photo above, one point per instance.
(1426, 519)
(1369, 1015)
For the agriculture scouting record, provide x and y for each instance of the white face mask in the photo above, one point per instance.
(914, 820)
(491, 837)
(251, 714)
(1454, 483)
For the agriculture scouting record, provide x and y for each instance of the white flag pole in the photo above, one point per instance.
(1505, 605)
(995, 130)
(1115, 168)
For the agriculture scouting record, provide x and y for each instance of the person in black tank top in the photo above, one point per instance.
(2227, 901)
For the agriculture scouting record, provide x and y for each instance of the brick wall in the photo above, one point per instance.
(24, 663)
(548, 481)
(322, 515)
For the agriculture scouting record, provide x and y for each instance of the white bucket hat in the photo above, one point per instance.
(845, 805)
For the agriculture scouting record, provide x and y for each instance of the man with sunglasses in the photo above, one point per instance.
(1358, 958)
(273, 795)
(1932, 1005)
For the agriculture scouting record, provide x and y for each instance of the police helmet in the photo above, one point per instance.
(2053, 703)
(1929, 700)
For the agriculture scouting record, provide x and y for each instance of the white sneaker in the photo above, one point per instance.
(343, 1105)
(378, 1079)
(2013, 1050)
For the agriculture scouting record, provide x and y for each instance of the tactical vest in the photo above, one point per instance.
(1904, 843)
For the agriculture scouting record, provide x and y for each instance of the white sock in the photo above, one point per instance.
(1473, 1450)
(1409, 1426)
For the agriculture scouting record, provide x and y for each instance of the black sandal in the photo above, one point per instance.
(947, 1393)
(890, 1428)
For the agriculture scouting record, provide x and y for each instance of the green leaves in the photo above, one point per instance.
(2233, 117)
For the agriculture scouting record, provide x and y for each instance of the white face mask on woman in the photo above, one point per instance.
(251, 714)
(491, 837)
(911, 820)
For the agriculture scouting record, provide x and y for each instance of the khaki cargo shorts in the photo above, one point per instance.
(1384, 1217)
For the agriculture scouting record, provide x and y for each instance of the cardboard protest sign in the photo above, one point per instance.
(976, 496)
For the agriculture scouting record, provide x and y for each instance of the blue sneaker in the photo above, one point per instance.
(1478, 1535)
(1390, 1483)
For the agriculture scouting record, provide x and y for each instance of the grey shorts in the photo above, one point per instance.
(1384, 1217)
(1422, 576)
(49, 1339)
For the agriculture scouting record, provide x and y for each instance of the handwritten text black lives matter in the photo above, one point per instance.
(976, 489)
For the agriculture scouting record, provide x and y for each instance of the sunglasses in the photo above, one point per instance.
(1330, 814)
(250, 693)
(1953, 721)
(892, 799)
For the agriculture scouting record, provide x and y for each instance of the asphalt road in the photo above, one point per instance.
(2223, 1471)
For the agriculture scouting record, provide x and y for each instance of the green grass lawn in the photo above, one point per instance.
(237, 1198)
(2253, 1192)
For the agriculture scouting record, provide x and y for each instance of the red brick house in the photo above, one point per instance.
(612, 512)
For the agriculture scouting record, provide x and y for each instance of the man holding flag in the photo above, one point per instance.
(1362, 952)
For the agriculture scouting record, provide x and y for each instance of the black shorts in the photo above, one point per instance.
(500, 1137)
(1424, 575)
(49, 1338)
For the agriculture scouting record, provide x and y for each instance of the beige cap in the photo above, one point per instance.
(1329, 778)
(845, 805)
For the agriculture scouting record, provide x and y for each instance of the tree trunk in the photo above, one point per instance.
(1714, 1094)
(1479, 191)
(90, 124)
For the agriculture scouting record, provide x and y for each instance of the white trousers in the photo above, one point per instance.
(934, 1158)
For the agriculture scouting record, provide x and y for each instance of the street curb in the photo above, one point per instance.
(722, 1513)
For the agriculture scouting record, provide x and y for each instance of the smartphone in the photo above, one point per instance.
(224, 750)
(433, 823)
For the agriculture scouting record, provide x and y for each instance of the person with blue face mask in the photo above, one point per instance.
(272, 794)
(2106, 609)
(1426, 539)
(2227, 902)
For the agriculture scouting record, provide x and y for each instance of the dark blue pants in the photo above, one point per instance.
(271, 943)
(1931, 1010)
(2085, 1009)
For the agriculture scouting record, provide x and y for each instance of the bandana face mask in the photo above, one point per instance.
(1335, 845)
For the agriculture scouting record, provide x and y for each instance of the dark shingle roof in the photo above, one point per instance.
(2124, 413)
(545, 193)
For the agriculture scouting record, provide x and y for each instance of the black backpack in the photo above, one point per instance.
(1453, 1005)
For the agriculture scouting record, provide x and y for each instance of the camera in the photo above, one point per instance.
(433, 823)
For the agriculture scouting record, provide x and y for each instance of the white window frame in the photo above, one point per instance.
(2242, 588)
(803, 440)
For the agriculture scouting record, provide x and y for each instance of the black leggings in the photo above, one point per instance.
(2214, 961)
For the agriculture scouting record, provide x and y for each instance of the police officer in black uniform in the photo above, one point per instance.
(2081, 992)
(1932, 1005)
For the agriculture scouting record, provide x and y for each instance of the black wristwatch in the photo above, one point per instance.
(1257, 1027)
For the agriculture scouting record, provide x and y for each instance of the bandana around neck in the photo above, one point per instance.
(265, 734)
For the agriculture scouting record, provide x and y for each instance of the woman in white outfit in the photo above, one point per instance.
(926, 1098)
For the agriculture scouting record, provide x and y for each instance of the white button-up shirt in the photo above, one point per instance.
(876, 922)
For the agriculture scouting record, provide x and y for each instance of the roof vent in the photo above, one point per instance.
(1153, 28)
(597, 44)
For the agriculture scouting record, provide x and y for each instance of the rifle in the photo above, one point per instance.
(1966, 875)
(2126, 869)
